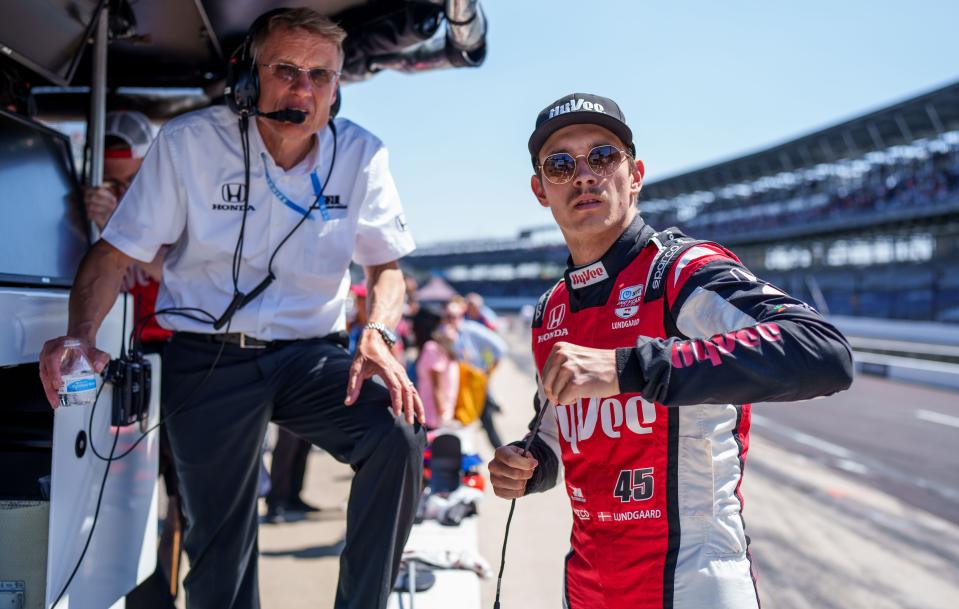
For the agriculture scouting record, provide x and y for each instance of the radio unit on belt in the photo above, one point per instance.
(132, 380)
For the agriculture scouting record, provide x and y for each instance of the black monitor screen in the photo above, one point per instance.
(43, 232)
(48, 37)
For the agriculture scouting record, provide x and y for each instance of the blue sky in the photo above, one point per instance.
(698, 81)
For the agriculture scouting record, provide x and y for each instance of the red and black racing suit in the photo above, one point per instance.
(653, 474)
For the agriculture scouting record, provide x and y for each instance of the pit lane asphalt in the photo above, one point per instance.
(893, 436)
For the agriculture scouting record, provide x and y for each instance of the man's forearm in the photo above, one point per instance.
(95, 289)
(386, 290)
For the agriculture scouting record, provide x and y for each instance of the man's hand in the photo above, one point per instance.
(374, 357)
(573, 372)
(100, 204)
(510, 470)
(50, 357)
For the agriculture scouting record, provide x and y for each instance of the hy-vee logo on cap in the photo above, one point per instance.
(575, 105)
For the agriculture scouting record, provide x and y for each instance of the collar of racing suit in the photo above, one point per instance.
(589, 285)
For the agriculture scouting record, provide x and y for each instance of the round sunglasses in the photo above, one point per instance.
(559, 168)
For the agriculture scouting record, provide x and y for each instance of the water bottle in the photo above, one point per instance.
(79, 387)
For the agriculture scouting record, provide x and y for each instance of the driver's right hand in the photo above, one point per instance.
(509, 471)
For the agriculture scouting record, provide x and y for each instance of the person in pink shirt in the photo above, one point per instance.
(437, 371)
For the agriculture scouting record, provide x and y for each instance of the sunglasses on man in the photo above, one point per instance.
(559, 168)
(288, 73)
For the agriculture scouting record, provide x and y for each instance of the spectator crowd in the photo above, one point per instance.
(854, 189)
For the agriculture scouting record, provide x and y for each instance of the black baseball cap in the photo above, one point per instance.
(577, 109)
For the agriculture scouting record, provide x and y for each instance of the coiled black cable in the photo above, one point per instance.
(512, 505)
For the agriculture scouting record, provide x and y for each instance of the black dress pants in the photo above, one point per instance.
(216, 432)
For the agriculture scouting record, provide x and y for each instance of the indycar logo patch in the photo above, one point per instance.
(628, 305)
(631, 294)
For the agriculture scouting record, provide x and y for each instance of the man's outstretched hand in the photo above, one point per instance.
(374, 357)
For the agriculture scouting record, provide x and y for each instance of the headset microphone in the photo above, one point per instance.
(286, 115)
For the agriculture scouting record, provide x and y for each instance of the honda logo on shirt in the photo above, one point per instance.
(233, 192)
(556, 316)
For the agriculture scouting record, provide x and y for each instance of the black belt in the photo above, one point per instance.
(245, 341)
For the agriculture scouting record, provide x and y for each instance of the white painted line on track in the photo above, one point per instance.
(853, 467)
(803, 438)
(937, 417)
(859, 464)
(905, 362)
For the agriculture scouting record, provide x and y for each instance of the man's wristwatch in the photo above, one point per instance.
(388, 335)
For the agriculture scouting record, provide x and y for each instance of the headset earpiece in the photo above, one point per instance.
(242, 78)
(335, 108)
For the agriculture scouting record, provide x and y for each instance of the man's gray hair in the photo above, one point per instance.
(302, 18)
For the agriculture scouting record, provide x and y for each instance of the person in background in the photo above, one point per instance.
(127, 137)
(480, 347)
(354, 326)
(526, 313)
(437, 371)
(411, 308)
(476, 310)
(287, 473)
(412, 303)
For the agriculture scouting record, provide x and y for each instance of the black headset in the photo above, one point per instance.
(242, 78)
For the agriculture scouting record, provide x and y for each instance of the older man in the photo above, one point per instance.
(648, 352)
(294, 201)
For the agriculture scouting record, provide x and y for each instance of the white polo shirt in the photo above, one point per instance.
(189, 194)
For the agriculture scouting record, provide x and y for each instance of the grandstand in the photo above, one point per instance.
(860, 218)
